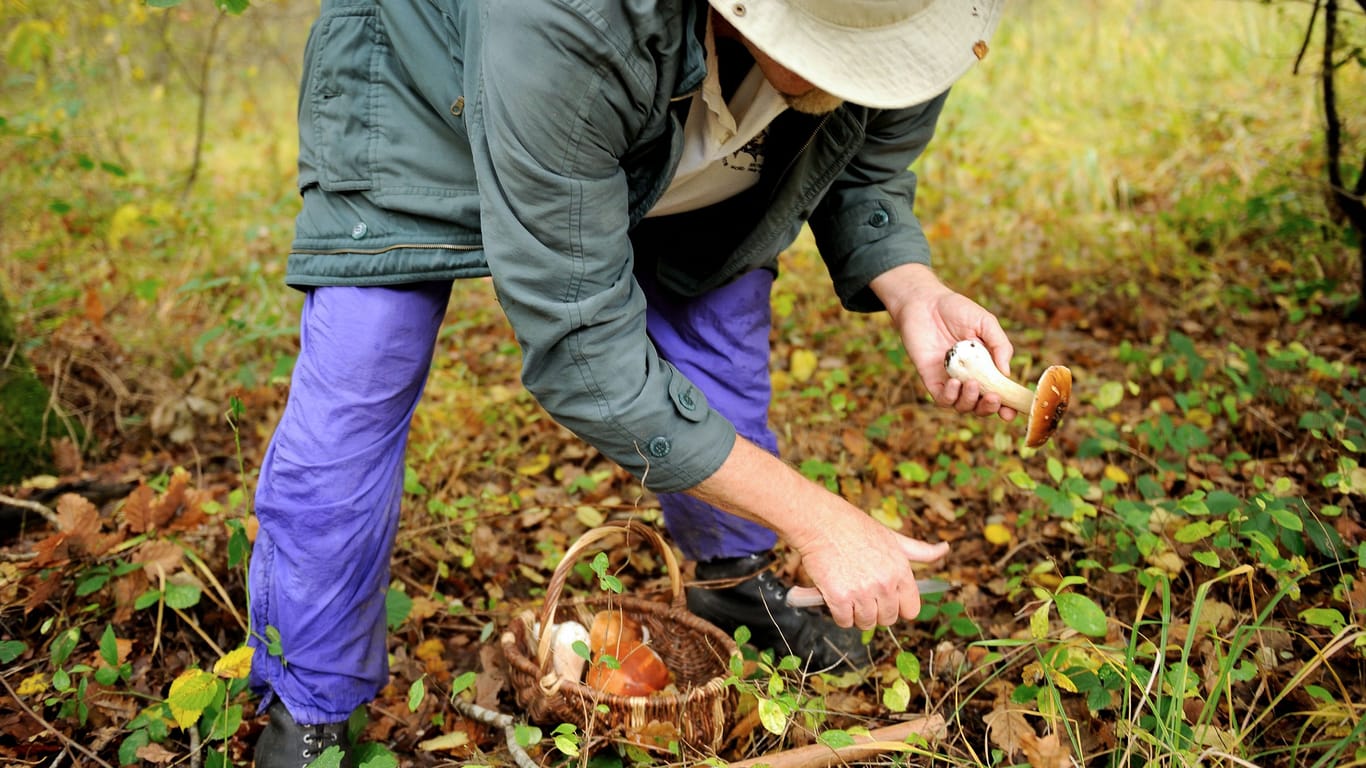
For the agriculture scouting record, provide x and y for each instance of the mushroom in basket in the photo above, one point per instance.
(639, 671)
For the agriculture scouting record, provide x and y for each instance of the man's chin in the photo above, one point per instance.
(814, 102)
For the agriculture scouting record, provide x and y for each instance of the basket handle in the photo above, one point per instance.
(561, 575)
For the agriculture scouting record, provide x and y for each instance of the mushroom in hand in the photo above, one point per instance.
(969, 360)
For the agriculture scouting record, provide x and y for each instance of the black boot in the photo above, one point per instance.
(759, 601)
(286, 744)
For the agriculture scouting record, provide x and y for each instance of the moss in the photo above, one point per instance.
(24, 450)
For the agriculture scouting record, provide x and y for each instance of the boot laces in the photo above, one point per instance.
(317, 738)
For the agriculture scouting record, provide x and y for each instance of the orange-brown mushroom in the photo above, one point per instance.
(969, 360)
(639, 672)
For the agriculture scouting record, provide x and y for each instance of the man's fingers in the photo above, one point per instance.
(866, 615)
(889, 611)
(910, 604)
(804, 597)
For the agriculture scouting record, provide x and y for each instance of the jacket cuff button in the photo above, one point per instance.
(358, 231)
(659, 447)
(879, 218)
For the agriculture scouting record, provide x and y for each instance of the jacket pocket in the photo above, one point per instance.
(339, 97)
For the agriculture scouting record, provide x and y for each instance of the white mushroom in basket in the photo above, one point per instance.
(565, 660)
(969, 360)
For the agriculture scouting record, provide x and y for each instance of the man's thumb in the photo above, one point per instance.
(918, 551)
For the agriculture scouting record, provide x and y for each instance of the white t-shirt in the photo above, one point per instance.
(723, 142)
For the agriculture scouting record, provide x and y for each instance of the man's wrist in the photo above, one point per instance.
(905, 284)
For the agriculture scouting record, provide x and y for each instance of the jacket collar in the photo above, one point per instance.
(694, 65)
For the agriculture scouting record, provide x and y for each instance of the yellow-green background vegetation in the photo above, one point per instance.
(1137, 188)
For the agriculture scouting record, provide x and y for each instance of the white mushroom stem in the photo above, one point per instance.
(1044, 407)
(969, 360)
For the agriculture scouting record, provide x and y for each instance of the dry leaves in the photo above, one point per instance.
(1009, 730)
(179, 508)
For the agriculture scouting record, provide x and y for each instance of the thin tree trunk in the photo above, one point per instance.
(1350, 200)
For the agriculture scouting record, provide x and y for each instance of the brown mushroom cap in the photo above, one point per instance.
(1050, 403)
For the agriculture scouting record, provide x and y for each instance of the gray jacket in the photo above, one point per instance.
(526, 139)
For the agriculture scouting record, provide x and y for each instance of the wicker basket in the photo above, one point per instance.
(697, 653)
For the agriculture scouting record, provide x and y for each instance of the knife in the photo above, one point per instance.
(809, 597)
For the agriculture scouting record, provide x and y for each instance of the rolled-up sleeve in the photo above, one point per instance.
(866, 223)
(559, 103)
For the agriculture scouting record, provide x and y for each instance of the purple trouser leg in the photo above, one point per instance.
(720, 342)
(328, 496)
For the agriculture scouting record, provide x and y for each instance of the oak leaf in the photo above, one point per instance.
(137, 509)
(159, 558)
(155, 753)
(1008, 729)
(1046, 752)
(170, 502)
(42, 589)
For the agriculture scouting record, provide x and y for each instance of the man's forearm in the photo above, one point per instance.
(756, 485)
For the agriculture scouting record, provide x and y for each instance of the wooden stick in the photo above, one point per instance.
(878, 740)
(32, 506)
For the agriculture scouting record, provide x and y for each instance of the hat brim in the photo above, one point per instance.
(883, 67)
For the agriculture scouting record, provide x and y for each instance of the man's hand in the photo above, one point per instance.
(862, 568)
(931, 317)
(864, 571)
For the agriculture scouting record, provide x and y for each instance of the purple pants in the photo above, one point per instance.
(332, 478)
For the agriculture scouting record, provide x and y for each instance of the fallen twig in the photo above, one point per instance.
(31, 506)
(66, 740)
(500, 720)
(879, 740)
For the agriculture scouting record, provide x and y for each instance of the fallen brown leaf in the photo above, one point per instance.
(155, 753)
(159, 557)
(1008, 729)
(1046, 751)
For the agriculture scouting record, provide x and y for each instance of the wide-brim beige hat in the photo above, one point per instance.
(884, 54)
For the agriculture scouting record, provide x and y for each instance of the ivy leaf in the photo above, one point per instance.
(63, 645)
(227, 723)
(908, 666)
(566, 739)
(109, 646)
(330, 758)
(897, 697)
(1081, 613)
(1193, 531)
(464, 681)
(11, 650)
(1038, 623)
(416, 693)
(772, 716)
(182, 596)
(606, 581)
(526, 735)
(128, 750)
(836, 739)
(397, 606)
(372, 755)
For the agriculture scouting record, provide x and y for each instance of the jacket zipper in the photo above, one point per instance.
(374, 251)
(795, 157)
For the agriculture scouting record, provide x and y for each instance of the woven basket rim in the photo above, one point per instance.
(549, 682)
(536, 663)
